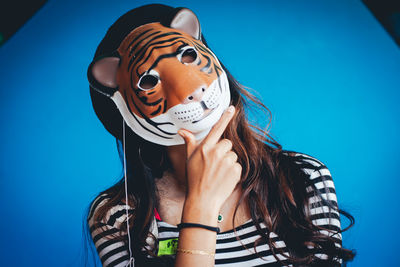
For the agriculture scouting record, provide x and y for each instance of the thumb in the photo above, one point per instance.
(190, 141)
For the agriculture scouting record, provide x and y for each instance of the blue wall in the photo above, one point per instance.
(326, 69)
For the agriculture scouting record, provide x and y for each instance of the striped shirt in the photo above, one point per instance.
(229, 251)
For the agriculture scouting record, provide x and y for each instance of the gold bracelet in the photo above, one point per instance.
(196, 252)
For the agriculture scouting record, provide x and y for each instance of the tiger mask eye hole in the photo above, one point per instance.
(148, 82)
(189, 56)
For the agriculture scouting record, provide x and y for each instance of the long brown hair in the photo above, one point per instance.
(273, 185)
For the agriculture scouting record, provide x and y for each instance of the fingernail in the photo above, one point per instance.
(181, 133)
(230, 109)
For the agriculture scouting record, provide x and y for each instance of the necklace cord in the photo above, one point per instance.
(131, 260)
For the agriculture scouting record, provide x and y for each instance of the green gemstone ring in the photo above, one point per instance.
(220, 218)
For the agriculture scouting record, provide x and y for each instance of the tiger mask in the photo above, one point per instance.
(163, 79)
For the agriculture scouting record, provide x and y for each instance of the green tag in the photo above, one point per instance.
(167, 247)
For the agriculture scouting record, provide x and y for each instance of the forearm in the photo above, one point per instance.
(193, 240)
(208, 165)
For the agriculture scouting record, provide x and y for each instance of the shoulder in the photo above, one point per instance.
(105, 210)
(323, 204)
(317, 172)
(320, 185)
(105, 220)
(306, 162)
(322, 200)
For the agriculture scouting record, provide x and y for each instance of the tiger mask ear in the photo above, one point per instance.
(185, 20)
(102, 75)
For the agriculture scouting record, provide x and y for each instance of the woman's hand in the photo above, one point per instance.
(212, 171)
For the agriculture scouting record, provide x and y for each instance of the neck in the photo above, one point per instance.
(177, 156)
(175, 187)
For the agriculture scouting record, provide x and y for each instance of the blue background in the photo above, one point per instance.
(327, 70)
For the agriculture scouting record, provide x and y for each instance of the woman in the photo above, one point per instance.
(194, 166)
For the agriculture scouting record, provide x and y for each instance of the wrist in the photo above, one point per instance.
(198, 225)
(196, 211)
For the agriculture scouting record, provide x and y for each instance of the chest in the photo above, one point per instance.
(171, 200)
(230, 251)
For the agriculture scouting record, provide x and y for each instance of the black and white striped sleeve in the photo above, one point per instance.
(323, 205)
(104, 232)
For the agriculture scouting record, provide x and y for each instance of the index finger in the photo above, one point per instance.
(218, 129)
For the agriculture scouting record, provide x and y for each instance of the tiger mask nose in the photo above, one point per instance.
(196, 96)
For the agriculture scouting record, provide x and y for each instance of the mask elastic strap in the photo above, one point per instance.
(131, 259)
